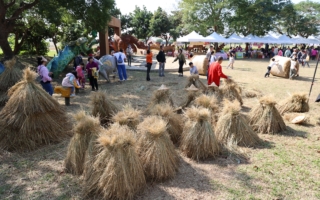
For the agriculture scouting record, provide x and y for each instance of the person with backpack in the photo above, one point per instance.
(92, 69)
(77, 61)
(45, 75)
(129, 52)
(161, 58)
(121, 58)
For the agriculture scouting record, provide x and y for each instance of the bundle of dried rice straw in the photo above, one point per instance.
(85, 128)
(128, 116)
(31, 118)
(210, 102)
(265, 118)
(117, 172)
(231, 90)
(297, 102)
(252, 93)
(297, 118)
(194, 80)
(233, 126)
(103, 107)
(156, 150)
(174, 120)
(160, 96)
(192, 94)
(198, 138)
(10, 76)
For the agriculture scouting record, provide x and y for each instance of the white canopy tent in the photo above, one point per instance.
(300, 40)
(313, 40)
(270, 39)
(234, 38)
(191, 37)
(283, 39)
(215, 37)
(252, 38)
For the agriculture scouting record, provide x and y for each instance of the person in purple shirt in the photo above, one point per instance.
(45, 75)
(93, 80)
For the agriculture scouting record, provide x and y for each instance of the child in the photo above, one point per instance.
(293, 69)
(68, 81)
(80, 74)
(270, 66)
(231, 60)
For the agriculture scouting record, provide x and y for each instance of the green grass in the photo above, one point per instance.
(52, 53)
(1, 52)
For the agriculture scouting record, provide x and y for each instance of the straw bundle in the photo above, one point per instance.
(84, 129)
(10, 76)
(31, 118)
(231, 90)
(102, 107)
(233, 126)
(211, 103)
(198, 139)
(160, 97)
(156, 150)
(252, 93)
(194, 79)
(265, 118)
(297, 102)
(174, 127)
(128, 116)
(291, 116)
(192, 94)
(117, 172)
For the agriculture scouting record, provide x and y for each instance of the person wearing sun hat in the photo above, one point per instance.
(45, 75)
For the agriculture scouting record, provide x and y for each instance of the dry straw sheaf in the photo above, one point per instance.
(231, 90)
(103, 107)
(128, 116)
(8, 78)
(117, 172)
(252, 93)
(85, 128)
(297, 102)
(233, 126)
(191, 96)
(174, 120)
(194, 79)
(210, 102)
(265, 118)
(290, 116)
(31, 118)
(156, 151)
(198, 138)
(159, 97)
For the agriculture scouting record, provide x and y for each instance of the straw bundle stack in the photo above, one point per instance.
(31, 118)
(252, 93)
(10, 76)
(194, 80)
(160, 96)
(297, 102)
(231, 90)
(265, 118)
(85, 128)
(174, 126)
(128, 116)
(291, 117)
(103, 107)
(117, 172)
(233, 126)
(198, 139)
(156, 150)
(192, 94)
(211, 103)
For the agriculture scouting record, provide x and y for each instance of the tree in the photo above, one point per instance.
(177, 26)
(116, 13)
(160, 25)
(140, 23)
(126, 23)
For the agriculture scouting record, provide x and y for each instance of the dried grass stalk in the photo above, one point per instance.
(234, 152)
(231, 90)
(85, 127)
(290, 116)
(233, 126)
(297, 102)
(117, 172)
(194, 79)
(191, 96)
(8, 78)
(160, 97)
(31, 118)
(210, 102)
(198, 138)
(174, 120)
(265, 118)
(128, 116)
(252, 93)
(103, 107)
(156, 150)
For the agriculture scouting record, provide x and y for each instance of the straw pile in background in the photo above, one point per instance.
(297, 102)
(210, 102)
(85, 127)
(252, 93)
(194, 79)
(192, 94)
(31, 118)
(265, 118)
(117, 171)
(233, 126)
(198, 138)
(103, 107)
(156, 150)
(290, 116)
(10, 76)
(160, 96)
(128, 116)
(174, 120)
(231, 90)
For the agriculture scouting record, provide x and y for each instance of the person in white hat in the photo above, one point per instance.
(45, 75)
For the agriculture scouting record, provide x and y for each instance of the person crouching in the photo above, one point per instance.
(68, 82)
(273, 63)
(193, 69)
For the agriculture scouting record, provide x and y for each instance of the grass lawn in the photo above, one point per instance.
(285, 166)
(51, 53)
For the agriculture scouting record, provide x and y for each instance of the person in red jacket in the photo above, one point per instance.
(215, 72)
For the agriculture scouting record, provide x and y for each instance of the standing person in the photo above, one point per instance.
(182, 60)
(293, 68)
(305, 58)
(91, 68)
(287, 53)
(208, 56)
(161, 58)
(121, 57)
(68, 82)
(215, 72)
(193, 69)
(45, 75)
(270, 66)
(80, 75)
(280, 53)
(212, 58)
(149, 63)
(231, 60)
(129, 52)
(77, 61)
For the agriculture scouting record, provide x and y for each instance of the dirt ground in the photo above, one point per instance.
(286, 166)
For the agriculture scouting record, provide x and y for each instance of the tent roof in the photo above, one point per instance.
(234, 38)
(283, 39)
(215, 37)
(191, 37)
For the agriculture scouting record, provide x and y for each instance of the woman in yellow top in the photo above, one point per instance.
(149, 63)
(182, 60)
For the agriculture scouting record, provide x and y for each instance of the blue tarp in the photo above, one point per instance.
(1, 68)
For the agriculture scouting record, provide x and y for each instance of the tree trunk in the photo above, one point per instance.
(54, 40)
(4, 44)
